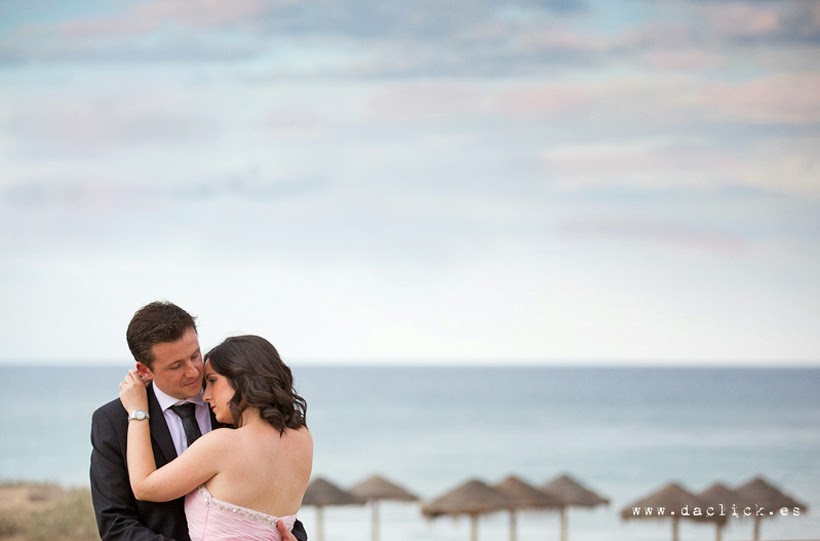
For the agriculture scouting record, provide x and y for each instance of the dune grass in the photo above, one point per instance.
(45, 512)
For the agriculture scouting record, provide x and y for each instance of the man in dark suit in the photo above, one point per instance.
(162, 338)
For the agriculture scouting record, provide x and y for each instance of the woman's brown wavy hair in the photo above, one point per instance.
(260, 380)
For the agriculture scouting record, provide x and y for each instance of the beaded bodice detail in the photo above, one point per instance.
(211, 519)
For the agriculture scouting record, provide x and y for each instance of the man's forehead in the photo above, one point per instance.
(185, 347)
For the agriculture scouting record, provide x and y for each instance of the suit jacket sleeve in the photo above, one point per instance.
(114, 503)
(298, 531)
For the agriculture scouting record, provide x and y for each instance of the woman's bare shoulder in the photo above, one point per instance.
(299, 438)
(217, 437)
(302, 433)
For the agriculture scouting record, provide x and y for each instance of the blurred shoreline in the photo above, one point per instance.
(622, 432)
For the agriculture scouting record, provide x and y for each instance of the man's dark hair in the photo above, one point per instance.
(154, 323)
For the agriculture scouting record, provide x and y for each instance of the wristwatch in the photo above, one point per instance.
(138, 415)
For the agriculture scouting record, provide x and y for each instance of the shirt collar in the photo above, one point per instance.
(166, 401)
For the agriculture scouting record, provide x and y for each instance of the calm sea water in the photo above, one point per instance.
(622, 431)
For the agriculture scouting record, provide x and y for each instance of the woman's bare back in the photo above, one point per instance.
(263, 471)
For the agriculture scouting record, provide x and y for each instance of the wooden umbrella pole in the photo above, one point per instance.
(474, 527)
(513, 525)
(564, 523)
(320, 524)
(756, 536)
(375, 528)
(719, 532)
(675, 534)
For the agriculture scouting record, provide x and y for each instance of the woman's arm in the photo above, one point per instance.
(180, 476)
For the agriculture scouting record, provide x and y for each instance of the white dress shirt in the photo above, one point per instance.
(173, 421)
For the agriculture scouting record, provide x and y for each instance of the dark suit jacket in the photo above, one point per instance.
(121, 517)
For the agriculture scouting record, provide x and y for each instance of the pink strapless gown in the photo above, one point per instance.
(210, 519)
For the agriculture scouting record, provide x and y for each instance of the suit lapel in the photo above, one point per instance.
(159, 428)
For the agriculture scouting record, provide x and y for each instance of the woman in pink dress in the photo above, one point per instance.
(244, 483)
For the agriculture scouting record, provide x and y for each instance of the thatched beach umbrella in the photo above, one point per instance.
(673, 498)
(721, 498)
(376, 488)
(522, 495)
(473, 498)
(322, 493)
(573, 494)
(759, 492)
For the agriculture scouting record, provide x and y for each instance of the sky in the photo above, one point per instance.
(554, 181)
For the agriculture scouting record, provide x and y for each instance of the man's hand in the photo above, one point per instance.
(283, 530)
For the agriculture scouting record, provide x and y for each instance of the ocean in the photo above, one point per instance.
(622, 431)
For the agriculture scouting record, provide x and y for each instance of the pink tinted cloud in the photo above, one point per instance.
(742, 19)
(687, 59)
(665, 45)
(486, 31)
(639, 163)
(664, 233)
(205, 13)
(778, 165)
(428, 100)
(530, 99)
(658, 36)
(292, 123)
(104, 122)
(147, 17)
(98, 196)
(790, 99)
(715, 23)
(553, 38)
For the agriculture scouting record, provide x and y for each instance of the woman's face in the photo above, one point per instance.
(218, 393)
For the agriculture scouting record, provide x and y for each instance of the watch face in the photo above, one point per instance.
(139, 415)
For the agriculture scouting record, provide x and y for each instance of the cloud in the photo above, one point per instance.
(524, 100)
(250, 186)
(356, 18)
(648, 164)
(708, 34)
(786, 21)
(361, 40)
(786, 99)
(104, 121)
(670, 234)
(81, 196)
(392, 38)
(775, 165)
(148, 17)
(424, 100)
(293, 124)
(108, 195)
(743, 20)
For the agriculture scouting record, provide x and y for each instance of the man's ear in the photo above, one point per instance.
(145, 372)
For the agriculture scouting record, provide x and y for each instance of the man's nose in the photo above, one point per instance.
(193, 369)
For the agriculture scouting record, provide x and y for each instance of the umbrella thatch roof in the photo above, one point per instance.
(760, 492)
(473, 497)
(573, 493)
(321, 492)
(719, 494)
(376, 487)
(673, 498)
(525, 496)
